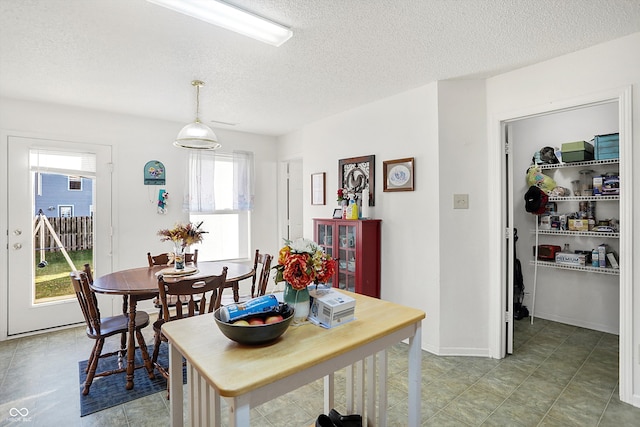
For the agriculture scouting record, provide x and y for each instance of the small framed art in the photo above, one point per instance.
(337, 213)
(318, 191)
(398, 174)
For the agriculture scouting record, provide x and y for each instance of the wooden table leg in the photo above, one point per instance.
(131, 346)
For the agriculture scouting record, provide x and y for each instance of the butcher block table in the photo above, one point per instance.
(247, 376)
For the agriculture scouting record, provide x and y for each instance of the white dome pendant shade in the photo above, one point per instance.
(197, 135)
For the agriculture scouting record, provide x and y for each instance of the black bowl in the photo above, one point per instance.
(256, 334)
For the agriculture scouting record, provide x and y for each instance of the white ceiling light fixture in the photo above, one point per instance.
(197, 135)
(232, 18)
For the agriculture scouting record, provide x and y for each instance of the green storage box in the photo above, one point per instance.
(576, 146)
(577, 156)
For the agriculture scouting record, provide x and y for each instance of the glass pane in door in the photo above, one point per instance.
(63, 221)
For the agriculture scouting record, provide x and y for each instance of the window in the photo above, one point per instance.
(65, 211)
(220, 193)
(75, 183)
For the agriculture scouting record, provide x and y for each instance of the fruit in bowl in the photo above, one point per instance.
(259, 332)
(273, 319)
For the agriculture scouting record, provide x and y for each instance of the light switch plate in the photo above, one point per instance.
(460, 201)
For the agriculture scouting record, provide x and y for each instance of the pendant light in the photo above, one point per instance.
(197, 135)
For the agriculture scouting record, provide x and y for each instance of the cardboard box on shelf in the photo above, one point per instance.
(607, 146)
(567, 258)
(578, 224)
(578, 151)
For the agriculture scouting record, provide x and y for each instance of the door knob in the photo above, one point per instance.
(17, 232)
(17, 246)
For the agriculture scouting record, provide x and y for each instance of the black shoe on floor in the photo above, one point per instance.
(324, 421)
(338, 420)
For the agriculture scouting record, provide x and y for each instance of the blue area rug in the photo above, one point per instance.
(109, 391)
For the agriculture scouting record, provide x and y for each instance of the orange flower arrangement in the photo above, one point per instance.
(303, 262)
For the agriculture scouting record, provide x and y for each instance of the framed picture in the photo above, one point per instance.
(318, 191)
(357, 174)
(337, 213)
(398, 174)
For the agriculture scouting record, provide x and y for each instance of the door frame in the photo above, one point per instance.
(106, 236)
(284, 210)
(498, 225)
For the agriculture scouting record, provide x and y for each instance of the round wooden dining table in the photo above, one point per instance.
(142, 283)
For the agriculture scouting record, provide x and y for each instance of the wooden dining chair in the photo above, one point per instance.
(259, 278)
(163, 259)
(260, 281)
(201, 295)
(99, 328)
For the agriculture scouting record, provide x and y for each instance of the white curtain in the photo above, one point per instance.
(219, 182)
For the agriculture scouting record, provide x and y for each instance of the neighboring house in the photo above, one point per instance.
(63, 195)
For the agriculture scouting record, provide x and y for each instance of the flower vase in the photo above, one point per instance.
(178, 257)
(343, 205)
(299, 300)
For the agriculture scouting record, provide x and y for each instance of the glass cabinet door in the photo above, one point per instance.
(324, 233)
(347, 257)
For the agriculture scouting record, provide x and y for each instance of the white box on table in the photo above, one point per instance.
(330, 308)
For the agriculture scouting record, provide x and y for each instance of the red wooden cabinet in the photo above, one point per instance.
(356, 245)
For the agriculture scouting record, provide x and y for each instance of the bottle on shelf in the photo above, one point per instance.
(352, 210)
(602, 255)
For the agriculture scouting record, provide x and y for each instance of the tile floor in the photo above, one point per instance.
(560, 375)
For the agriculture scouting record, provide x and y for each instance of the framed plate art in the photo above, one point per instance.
(356, 174)
(398, 174)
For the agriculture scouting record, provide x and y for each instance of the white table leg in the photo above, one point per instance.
(329, 392)
(193, 389)
(239, 411)
(216, 406)
(382, 388)
(349, 391)
(175, 386)
(415, 375)
(371, 392)
(359, 387)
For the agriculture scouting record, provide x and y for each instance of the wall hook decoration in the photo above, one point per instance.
(162, 201)
(154, 173)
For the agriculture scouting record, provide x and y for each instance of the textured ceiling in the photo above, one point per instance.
(134, 57)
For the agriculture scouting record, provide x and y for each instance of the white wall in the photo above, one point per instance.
(135, 141)
(464, 259)
(600, 68)
(424, 241)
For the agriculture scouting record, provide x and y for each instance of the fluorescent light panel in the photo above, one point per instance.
(231, 18)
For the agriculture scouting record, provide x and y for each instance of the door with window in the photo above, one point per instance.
(53, 187)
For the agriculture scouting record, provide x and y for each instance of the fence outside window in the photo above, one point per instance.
(75, 233)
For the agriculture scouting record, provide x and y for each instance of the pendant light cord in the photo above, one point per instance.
(198, 102)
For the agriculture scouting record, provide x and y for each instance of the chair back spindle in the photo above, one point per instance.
(264, 275)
